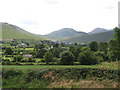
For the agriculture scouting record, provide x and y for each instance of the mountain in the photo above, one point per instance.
(98, 37)
(10, 31)
(63, 34)
(98, 30)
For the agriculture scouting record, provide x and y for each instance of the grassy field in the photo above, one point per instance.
(104, 65)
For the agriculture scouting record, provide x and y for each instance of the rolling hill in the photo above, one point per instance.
(64, 34)
(13, 32)
(98, 37)
(9, 31)
(98, 30)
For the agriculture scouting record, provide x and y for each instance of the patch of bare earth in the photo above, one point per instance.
(82, 84)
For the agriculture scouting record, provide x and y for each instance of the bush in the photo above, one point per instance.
(6, 62)
(17, 58)
(67, 58)
(17, 63)
(31, 60)
(101, 54)
(88, 58)
(8, 51)
(48, 57)
(24, 60)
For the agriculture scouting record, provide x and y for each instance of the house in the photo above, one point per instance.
(27, 56)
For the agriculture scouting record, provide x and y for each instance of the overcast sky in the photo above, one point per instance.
(45, 16)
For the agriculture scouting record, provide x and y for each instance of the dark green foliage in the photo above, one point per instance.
(31, 60)
(55, 45)
(9, 51)
(10, 73)
(39, 47)
(17, 58)
(88, 58)
(39, 51)
(6, 62)
(48, 57)
(102, 55)
(93, 46)
(103, 47)
(27, 79)
(114, 46)
(56, 52)
(67, 58)
(75, 50)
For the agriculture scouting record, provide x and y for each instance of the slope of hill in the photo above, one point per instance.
(98, 30)
(63, 34)
(13, 32)
(98, 37)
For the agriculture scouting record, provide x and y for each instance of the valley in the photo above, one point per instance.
(62, 59)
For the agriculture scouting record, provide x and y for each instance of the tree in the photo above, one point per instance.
(67, 58)
(9, 51)
(39, 47)
(56, 45)
(103, 47)
(93, 46)
(48, 57)
(75, 50)
(87, 58)
(56, 52)
(114, 46)
(102, 55)
(17, 58)
(39, 51)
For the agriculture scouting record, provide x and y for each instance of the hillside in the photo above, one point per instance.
(63, 34)
(98, 37)
(98, 30)
(13, 32)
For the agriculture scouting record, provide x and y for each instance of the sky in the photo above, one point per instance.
(45, 16)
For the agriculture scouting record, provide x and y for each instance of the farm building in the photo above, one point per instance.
(27, 56)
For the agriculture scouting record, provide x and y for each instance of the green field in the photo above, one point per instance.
(104, 65)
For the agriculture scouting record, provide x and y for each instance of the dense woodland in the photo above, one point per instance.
(32, 52)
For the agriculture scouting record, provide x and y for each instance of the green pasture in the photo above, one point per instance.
(104, 65)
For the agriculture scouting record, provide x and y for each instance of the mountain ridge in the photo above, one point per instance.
(98, 30)
(10, 31)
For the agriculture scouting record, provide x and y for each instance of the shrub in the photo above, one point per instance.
(8, 51)
(48, 57)
(87, 58)
(67, 58)
(6, 62)
(31, 60)
(93, 46)
(17, 58)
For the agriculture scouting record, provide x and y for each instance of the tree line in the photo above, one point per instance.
(93, 53)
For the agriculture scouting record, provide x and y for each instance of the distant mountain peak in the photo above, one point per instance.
(98, 30)
(64, 33)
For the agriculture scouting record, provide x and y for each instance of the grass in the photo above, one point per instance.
(61, 78)
(104, 65)
(13, 32)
